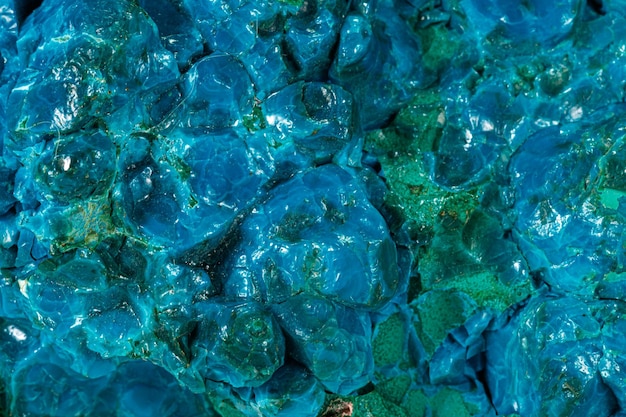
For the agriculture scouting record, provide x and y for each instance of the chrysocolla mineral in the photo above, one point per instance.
(311, 208)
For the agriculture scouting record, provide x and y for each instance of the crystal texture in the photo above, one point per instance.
(312, 208)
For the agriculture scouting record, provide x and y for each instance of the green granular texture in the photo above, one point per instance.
(441, 312)
(388, 345)
(394, 389)
(441, 46)
(447, 403)
(417, 402)
(373, 404)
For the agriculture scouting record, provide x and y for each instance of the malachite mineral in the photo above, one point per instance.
(312, 208)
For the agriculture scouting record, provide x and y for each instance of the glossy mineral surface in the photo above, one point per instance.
(308, 208)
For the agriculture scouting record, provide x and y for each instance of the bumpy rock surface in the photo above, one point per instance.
(312, 208)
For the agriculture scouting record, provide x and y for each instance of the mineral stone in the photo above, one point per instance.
(312, 208)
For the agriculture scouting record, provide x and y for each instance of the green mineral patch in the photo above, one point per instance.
(489, 291)
(445, 403)
(610, 198)
(182, 168)
(448, 402)
(255, 120)
(294, 3)
(613, 170)
(388, 344)
(415, 128)
(83, 224)
(401, 149)
(447, 264)
(439, 312)
(440, 45)
(417, 402)
(446, 261)
(394, 389)
(373, 404)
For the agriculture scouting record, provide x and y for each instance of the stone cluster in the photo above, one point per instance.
(312, 208)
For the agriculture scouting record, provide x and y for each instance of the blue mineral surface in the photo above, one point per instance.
(312, 208)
